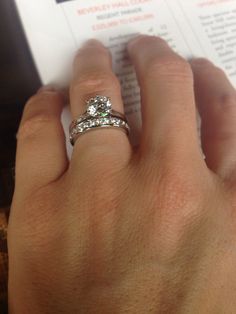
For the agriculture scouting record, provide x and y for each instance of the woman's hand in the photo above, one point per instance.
(123, 231)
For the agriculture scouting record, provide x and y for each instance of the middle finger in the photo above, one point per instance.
(168, 105)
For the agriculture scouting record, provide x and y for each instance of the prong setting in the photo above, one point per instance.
(99, 114)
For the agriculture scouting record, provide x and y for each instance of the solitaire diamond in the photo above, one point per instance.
(98, 114)
(99, 106)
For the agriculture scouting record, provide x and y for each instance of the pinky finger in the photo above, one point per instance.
(41, 152)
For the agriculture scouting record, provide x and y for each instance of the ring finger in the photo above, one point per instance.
(93, 76)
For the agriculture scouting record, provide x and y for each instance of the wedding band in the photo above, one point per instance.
(99, 114)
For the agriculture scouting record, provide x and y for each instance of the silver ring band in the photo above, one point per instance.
(86, 116)
(99, 114)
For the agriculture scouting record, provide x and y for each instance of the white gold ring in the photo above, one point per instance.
(99, 114)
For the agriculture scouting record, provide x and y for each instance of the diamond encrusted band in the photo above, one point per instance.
(99, 114)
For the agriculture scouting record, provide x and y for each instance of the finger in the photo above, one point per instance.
(41, 154)
(168, 107)
(94, 76)
(216, 100)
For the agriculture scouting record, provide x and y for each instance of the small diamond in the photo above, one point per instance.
(92, 110)
(79, 129)
(103, 121)
(92, 123)
(117, 122)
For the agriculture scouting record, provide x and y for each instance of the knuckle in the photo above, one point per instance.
(182, 210)
(210, 69)
(203, 63)
(178, 190)
(37, 114)
(33, 102)
(145, 41)
(31, 126)
(224, 115)
(228, 102)
(97, 49)
(96, 82)
(42, 98)
(170, 66)
(205, 66)
(215, 70)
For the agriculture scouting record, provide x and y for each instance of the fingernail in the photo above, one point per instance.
(200, 62)
(47, 89)
(134, 40)
(92, 43)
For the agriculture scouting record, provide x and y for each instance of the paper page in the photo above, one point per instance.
(56, 29)
(213, 24)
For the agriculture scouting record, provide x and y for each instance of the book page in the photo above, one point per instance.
(57, 28)
(115, 23)
(213, 24)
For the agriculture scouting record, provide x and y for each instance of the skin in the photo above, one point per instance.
(118, 230)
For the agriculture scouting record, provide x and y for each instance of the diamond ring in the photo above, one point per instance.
(99, 114)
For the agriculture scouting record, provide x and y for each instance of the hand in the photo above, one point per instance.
(123, 231)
